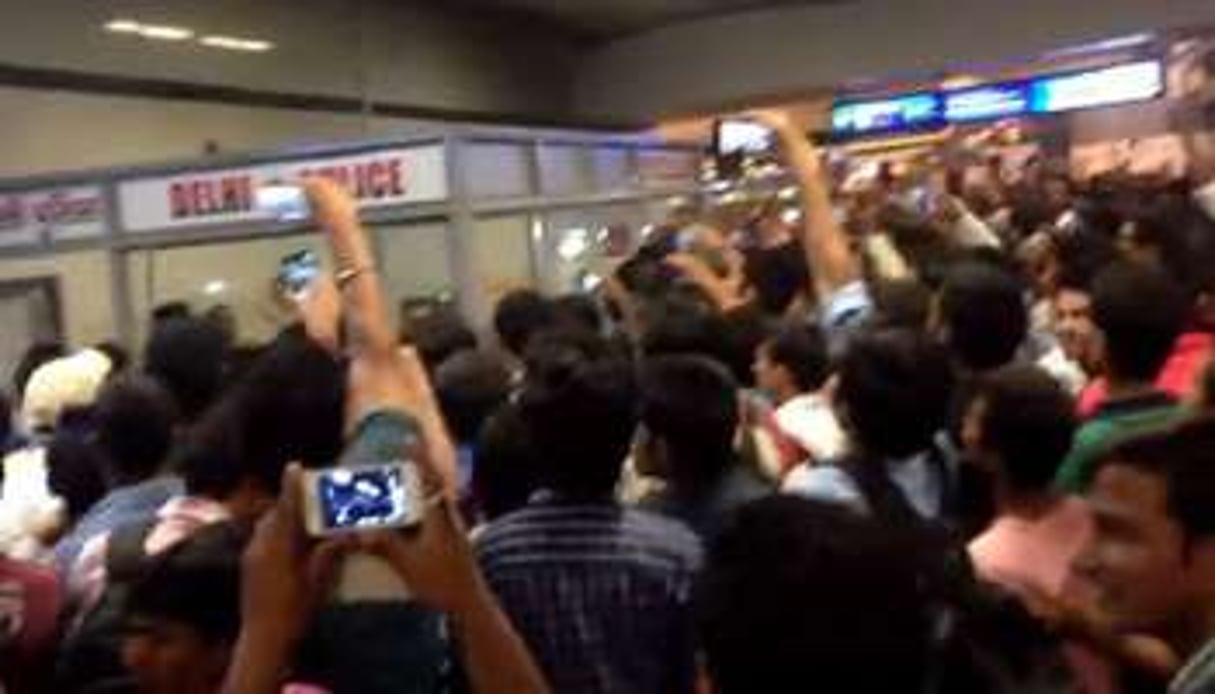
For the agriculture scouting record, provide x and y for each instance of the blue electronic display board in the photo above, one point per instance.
(1108, 86)
(899, 114)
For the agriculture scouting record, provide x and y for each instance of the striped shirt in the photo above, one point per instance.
(601, 594)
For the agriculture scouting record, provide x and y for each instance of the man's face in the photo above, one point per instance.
(1136, 558)
(766, 377)
(166, 657)
(1074, 324)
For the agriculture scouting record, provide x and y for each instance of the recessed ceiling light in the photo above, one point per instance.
(236, 43)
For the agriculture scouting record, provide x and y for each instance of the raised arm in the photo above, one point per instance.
(383, 374)
(826, 245)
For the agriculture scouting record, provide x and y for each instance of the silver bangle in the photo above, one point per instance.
(347, 275)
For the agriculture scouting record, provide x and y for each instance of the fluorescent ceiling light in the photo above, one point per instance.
(159, 32)
(123, 26)
(236, 43)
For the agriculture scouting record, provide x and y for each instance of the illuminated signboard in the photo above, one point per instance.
(1120, 84)
(988, 102)
(910, 112)
(1109, 86)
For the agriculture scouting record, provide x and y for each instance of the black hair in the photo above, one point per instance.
(895, 387)
(519, 316)
(1183, 456)
(135, 417)
(75, 470)
(686, 324)
(797, 591)
(802, 349)
(187, 356)
(470, 386)
(579, 403)
(118, 355)
(288, 409)
(1140, 311)
(778, 275)
(578, 312)
(1028, 421)
(440, 335)
(690, 403)
(171, 310)
(984, 315)
(195, 583)
(507, 467)
(34, 356)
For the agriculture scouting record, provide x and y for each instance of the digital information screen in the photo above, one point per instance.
(1120, 84)
(990, 102)
(903, 113)
(1109, 86)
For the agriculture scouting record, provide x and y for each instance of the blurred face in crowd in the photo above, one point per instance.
(1074, 324)
(168, 657)
(1138, 559)
(770, 377)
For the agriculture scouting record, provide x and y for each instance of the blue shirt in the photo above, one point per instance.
(124, 505)
(601, 594)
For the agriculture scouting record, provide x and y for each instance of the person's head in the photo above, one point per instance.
(579, 404)
(578, 312)
(135, 417)
(689, 414)
(171, 310)
(1140, 311)
(75, 470)
(187, 356)
(224, 319)
(470, 385)
(894, 392)
(983, 316)
(1072, 311)
(1020, 426)
(440, 335)
(35, 356)
(63, 385)
(183, 615)
(288, 409)
(901, 303)
(796, 592)
(1152, 557)
(507, 467)
(519, 316)
(793, 362)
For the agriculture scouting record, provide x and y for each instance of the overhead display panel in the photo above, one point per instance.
(887, 116)
(1121, 84)
(920, 111)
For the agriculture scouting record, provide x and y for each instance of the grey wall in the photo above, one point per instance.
(705, 64)
(414, 54)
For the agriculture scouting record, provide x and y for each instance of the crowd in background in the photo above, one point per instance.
(927, 437)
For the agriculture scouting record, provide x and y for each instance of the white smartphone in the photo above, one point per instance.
(283, 202)
(742, 136)
(362, 497)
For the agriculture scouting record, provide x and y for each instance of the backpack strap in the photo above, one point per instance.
(125, 555)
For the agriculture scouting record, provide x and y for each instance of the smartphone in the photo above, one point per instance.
(283, 202)
(362, 497)
(296, 271)
(737, 136)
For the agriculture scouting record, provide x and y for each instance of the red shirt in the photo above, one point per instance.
(1178, 378)
(29, 612)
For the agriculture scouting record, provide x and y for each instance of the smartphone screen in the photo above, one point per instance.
(297, 271)
(735, 136)
(364, 498)
(285, 203)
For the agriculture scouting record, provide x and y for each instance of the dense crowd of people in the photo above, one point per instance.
(955, 444)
